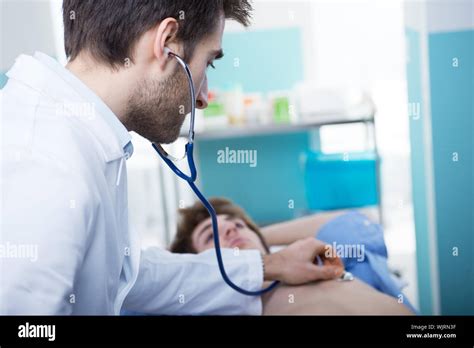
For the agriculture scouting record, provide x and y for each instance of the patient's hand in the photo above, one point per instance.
(296, 263)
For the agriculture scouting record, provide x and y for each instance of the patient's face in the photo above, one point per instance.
(233, 233)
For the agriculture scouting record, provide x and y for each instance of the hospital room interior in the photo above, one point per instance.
(321, 108)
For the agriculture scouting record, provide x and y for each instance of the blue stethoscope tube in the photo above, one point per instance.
(191, 178)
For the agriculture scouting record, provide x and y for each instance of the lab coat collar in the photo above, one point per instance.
(47, 76)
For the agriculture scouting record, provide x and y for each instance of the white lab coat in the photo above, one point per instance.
(64, 192)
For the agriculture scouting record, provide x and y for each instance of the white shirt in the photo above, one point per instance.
(65, 245)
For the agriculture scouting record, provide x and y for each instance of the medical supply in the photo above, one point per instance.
(254, 109)
(234, 107)
(191, 178)
(326, 105)
(215, 116)
(281, 110)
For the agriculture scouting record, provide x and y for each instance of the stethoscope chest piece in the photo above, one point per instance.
(346, 276)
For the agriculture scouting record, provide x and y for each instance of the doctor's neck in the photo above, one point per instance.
(112, 86)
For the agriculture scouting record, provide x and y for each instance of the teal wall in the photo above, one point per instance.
(268, 60)
(452, 117)
(452, 114)
(3, 80)
(264, 191)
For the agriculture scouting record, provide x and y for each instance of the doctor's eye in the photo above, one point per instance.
(208, 238)
(239, 224)
(210, 64)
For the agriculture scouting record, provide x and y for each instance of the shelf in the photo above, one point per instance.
(258, 129)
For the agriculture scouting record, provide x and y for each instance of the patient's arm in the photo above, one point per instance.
(290, 231)
(329, 297)
(287, 232)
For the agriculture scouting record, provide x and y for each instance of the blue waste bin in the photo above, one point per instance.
(335, 181)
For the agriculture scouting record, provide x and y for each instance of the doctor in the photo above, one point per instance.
(65, 143)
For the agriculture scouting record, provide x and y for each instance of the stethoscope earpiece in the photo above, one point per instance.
(167, 51)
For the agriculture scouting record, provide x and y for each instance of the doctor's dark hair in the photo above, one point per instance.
(109, 29)
(189, 218)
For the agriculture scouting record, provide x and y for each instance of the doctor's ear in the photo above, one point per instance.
(165, 40)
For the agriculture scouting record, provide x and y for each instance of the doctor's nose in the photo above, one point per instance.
(201, 100)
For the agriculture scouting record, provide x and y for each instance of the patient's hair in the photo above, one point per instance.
(190, 217)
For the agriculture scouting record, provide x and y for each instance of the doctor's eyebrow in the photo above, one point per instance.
(217, 54)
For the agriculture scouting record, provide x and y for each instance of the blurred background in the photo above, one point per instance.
(346, 105)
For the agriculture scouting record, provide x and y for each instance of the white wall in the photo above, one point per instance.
(361, 44)
(26, 26)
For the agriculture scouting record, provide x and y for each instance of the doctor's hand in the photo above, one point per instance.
(296, 264)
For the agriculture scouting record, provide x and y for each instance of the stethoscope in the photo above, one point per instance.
(191, 178)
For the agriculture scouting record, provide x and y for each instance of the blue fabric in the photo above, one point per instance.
(357, 231)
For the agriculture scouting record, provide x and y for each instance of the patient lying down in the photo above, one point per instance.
(237, 230)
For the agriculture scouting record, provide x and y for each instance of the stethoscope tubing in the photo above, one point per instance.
(191, 179)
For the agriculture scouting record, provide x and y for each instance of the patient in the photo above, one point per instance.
(238, 231)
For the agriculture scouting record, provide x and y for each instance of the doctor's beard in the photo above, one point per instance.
(156, 108)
